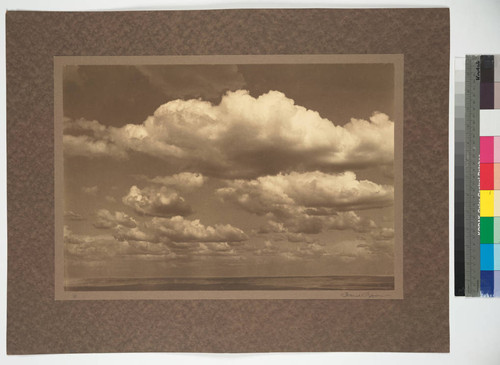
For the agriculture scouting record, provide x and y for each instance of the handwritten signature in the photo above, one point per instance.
(366, 295)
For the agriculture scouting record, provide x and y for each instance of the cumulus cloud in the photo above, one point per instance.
(89, 138)
(91, 190)
(311, 250)
(381, 242)
(122, 233)
(243, 136)
(157, 201)
(72, 216)
(272, 227)
(77, 239)
(181, 230)
(268, 250)
(348, 251)
(297, 237)
(215, 249)
(182, 181)
(311, 189)
(106, 219)
(305, 223)
(294, 221)
(309, 202)
(102, 247)
(110, 199)
(368, 248)
(383, 234)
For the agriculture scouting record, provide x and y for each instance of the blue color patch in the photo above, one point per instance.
(487, 283)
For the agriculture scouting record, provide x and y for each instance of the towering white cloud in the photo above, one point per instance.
(243, 136)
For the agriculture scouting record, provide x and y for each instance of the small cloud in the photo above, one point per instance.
(179, 229)
(72, 216)
(110, 199)
(181, 181)
(272, 227)
(103, 247)
(91, 190)
(122, 233)
(383, 234)
(296, 237)
(106, 219)
(157, 201)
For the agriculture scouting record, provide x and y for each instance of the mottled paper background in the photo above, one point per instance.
(38, 324)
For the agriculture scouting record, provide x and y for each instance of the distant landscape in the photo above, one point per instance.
(237, 283)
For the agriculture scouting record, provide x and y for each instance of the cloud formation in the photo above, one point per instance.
(157, 201)
(72, 216)
(243, 137)
(178, 229)
(103, 247)
(77, 239)
(181, 181)
(313, 190)
(91, 190)
(309, 202)
(89, 138)
(122, 233)
(106, 219)
(301, 222)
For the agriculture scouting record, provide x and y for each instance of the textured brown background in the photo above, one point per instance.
(37, 323)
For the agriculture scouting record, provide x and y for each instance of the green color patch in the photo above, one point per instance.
(487, 230)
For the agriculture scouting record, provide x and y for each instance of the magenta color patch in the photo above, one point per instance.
(496, 149)
(486, 151)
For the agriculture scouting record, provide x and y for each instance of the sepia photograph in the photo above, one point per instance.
(229, 177)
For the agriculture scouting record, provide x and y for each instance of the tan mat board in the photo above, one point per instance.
(37, 323)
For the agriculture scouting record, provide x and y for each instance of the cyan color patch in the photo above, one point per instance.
(496, 257)
(487, 256)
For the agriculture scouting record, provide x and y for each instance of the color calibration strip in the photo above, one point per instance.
(459, 175)
(489, 152)
(483, 76)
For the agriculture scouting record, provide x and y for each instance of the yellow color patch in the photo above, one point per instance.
(487, 203)
(496, 206)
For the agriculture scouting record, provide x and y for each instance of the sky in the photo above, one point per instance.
(228, 170)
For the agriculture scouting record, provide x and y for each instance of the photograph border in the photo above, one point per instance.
(396, 59)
